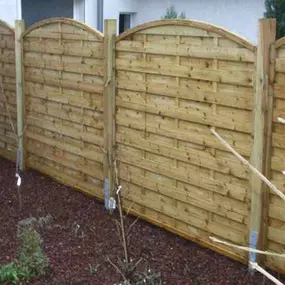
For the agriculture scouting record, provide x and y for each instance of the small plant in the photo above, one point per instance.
(34, 224)
(148, 277)
(128, 267)
(9, 274)
(171, 13)
(77, 231)
(31, 261)
(93, 270)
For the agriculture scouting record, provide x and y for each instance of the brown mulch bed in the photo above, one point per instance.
(178, 260)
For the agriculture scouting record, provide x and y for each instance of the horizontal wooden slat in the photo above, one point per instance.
(277, 212)
(276, 235)
(8, 57)
(184, 214)
(8, 71)
(280, 65)
(236, 77)
(88, 101)
(86, 153)
(65, 47)
(202, 136)
(94, 170)
(85, 186)
(76, 85)
(76, 67)
(9, 139)
(231, 122)
(192, 156)
(45, 34)
(4, 112)
(35, 120)
(231, 99)
(178, 31)
(182, 195)
(222, 53)
(55, 110)
(185, 176)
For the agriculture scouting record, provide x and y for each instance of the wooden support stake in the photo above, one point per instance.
(267, 30)
(110, 28)
(19, 29)
(268, 136)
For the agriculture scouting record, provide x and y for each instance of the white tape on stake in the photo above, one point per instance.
(119, 189)
(245, 248)
(19, 180)
(265, 273)
(281, 120)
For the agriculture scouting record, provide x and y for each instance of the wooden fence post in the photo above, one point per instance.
(268, 137)
(267, 32)
(19, 29)
(110, 29)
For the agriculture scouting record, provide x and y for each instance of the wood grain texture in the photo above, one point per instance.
(173, 80)
(170, 89)
(8, 99)
(258, 212)
(64, 84)
(275, 162)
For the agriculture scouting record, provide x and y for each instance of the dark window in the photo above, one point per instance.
(36, 10)
(124, 22)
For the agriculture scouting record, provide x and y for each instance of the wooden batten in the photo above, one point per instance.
(19, 30)
(267, 28)
(110, 29)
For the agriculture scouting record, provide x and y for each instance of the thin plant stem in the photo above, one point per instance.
(123, 230)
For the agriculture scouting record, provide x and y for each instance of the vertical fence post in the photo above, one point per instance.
(268, 136)
(110, 28)
(19, 29)
(267, 31)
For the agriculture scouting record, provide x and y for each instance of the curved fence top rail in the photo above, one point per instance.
(279, 43)
(65, 21)
(7, 26)
(193, 24)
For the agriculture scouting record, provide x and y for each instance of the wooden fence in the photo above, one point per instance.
(64, 74)
(276, 155)
(173, 81)
(8, 107)
(146, 100)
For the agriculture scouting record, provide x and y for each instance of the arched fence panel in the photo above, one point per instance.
(276, 155)
(63, 85)
(148, 100)
(8, 108)
(176, 79)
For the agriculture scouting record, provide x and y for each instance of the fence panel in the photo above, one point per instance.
(276, 222)
(175, 79)
(63, 75)
(8, 107)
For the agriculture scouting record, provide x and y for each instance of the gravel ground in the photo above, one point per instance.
(179, 261)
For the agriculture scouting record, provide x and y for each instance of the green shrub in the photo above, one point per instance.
(31, 262)
(9, 274)
(171, 13)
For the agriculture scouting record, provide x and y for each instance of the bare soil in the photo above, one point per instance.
(71, 254)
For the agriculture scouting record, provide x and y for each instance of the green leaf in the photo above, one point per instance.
(276, 9)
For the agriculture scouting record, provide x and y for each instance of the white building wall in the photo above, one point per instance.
(238, 16)
(113, 8)
(9, 11)
(91, 13)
